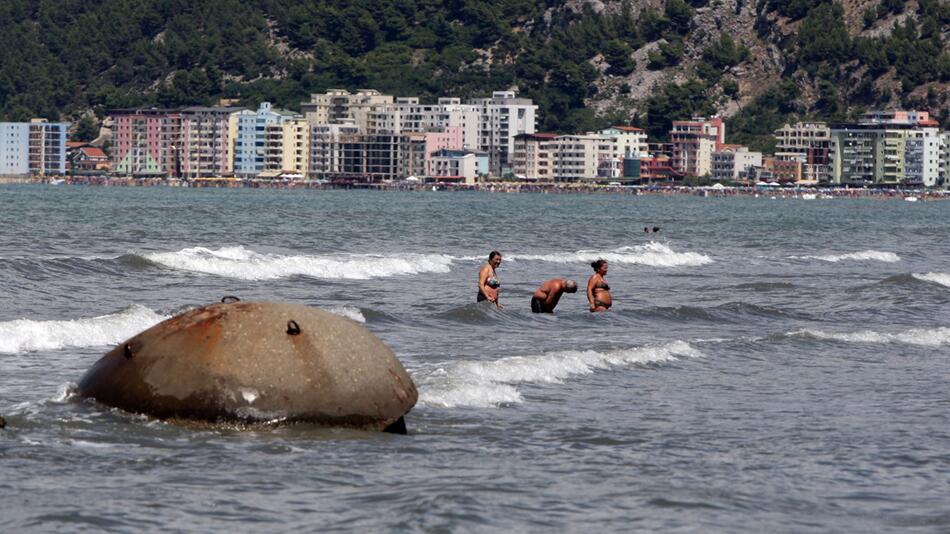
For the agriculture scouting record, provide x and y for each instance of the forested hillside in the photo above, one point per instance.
(586, 63)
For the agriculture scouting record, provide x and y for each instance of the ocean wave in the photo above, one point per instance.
(652, 254)
(241, 263)
(492, 383)
(937, 278)
(350, 312)
(866, 255)
(25, 335)
(928, 337)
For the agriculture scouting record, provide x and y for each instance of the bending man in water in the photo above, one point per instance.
(488, 283)
(546, 297)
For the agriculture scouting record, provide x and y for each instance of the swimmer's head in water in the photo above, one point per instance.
(570, 286)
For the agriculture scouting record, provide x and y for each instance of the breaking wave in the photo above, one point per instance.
(350, 312)
(937, 278)
(241, 263)
(492, 383)
(25, 335)
(929, 337)
(866, 255)
(652, 254)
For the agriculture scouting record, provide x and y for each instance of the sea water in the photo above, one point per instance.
(768, 364)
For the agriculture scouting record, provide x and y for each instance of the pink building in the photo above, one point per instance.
(451, 138)
(147, 142)
(694, 142)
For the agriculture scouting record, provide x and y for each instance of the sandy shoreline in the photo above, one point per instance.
(808, 193)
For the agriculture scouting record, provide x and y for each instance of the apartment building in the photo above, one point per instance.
(257, 140)
(693, 143)
(533, 156)
(14, 148)
(923, 150)
(463, 165)
(37, 147)
(577, 157)
(731, 162)
(809, 144)
(891, 148)
(147, 142)
(407, 115)
(338, 106)
(503, 116)
(626, 142)
(205, 136)
(326, 149)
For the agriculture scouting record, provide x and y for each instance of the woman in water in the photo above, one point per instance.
(488, 283)
(598, 292)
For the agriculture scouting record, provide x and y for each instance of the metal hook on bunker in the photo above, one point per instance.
(293, 328)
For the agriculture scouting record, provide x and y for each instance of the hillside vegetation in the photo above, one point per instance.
(586, 64)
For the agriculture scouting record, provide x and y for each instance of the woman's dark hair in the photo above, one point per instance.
(492, 254)
(597, 264)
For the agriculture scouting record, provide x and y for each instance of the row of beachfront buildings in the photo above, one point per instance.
(369, 136)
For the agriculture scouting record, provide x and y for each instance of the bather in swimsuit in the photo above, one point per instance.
(599, 303)
(492, 283)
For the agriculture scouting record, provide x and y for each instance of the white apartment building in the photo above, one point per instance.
(406, 114)
(35, 147)
(733, 161)
(807, 143)
(463, 164)
(577, 157)
(502, 117)
(924, 149)
(14, 148)
(533, 157)
(626, 142)
(338, 106)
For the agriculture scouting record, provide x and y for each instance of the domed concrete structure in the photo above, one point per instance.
(256, 363)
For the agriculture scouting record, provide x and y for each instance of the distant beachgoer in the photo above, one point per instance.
(545, 299)
(488, 283)
(598, 292)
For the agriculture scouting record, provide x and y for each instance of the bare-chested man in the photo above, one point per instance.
(546, 297)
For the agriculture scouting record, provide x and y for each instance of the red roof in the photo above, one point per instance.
(92, 152)
(628, 128)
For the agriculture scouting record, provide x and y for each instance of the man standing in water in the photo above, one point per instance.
(547, 296)
(488, 283)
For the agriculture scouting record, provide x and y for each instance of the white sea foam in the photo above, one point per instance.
(937, 278)
(239, 262)
(929, 337)
(350, 312)
(491, 383)
(25, 335)
(866, 255)
(653, 254)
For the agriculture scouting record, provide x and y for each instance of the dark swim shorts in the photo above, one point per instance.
(537, 305)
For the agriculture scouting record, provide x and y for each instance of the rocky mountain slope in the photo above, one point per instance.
(587, 63)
